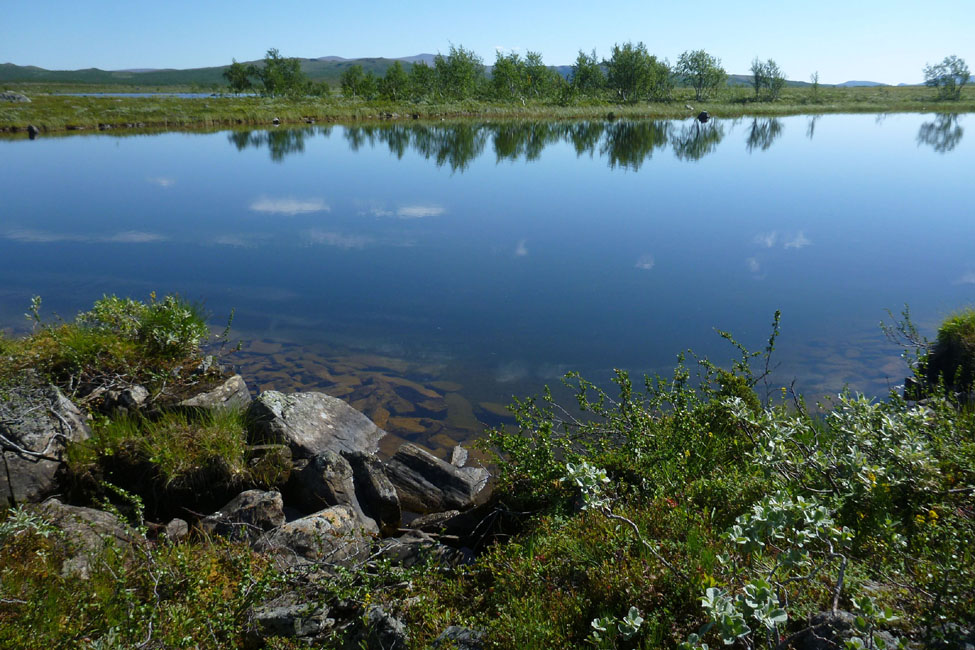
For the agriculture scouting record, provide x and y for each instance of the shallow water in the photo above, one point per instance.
(491, 258)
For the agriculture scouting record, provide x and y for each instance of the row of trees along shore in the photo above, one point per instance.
(630, 75)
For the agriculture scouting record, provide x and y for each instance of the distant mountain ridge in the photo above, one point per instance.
(324, 68)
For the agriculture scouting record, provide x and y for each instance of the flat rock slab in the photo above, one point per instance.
(10, 96)
(332, 536)
(311, 423)
(36, 425)
(427, 484)
(233, 393)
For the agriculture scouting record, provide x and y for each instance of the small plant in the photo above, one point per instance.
(952, 359)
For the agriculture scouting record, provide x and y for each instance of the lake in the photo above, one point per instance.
(429, 272)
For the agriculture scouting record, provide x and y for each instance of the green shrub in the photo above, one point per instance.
(952, 359)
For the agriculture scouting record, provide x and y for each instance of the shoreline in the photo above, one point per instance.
(70, 113)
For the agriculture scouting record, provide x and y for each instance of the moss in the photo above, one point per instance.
(953, 357)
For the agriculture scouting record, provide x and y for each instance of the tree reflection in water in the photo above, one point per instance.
(762, 133)
(943, 134)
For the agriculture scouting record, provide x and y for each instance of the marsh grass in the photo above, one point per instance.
(58, 112)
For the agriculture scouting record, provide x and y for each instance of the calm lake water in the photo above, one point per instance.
(480, 261)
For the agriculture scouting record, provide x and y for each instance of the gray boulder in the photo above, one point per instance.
(459, 638)
(289, 616)
(86, 531)
(36, 425)
(830, 630)
(233, 393)
(311, 423)
(327, 480)
(11, 96)
(427, 484)
(383, 631)
(374, 491)
(416, 547)
(248, 515)
(332, 536)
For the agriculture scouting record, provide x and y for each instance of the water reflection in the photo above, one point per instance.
(624, 144)
(943, 134)
(280, 142)
(762, 133)
(695, 141)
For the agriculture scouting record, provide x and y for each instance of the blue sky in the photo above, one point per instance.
(887, 41)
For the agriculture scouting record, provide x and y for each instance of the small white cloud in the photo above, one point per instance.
(44, 237)
(135, 237)
(162, 181)
(289, 206)
(419, 211)
(753, 265)
(766, 239)
(967, 278)
(337, 239)
(646, 262)
(521, 250)
(799, 241)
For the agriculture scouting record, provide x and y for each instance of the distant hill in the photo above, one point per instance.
(326, 68)
(323, 68)
(857, 84)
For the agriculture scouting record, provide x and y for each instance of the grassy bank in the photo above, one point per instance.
(52, 113)
(685, 512)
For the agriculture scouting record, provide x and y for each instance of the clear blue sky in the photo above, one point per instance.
(877, 40)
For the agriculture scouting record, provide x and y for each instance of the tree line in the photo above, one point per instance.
(631, 74)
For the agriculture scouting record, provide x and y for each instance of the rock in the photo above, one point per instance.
(133, 397)
(176, 530)
(288, 616)
(269, 465)
(332, 536)
(11, 96)
(36, 424)
(327, 480)
(383, 631)
(828, 630)
(458, 456)
(32, 131)
(374, 491)
(435, 522)
(427, 484)
(275, 121)
(416, 547)
(233, 393)
(311, 423)
(459, 638)
(87, 532)
(703, 117)
(248, 515)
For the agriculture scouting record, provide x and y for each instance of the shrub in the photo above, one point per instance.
(952, 358)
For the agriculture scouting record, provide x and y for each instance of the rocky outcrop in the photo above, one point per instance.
(374, 491)
(11, 96)
(327, 480)
(382, 631)
(829, 630)
(459, 638)
(332, 536)
(427, 484)
(232, 393)
(36, 425)
(311, 423)
(86, 532)
(290, 616)
(248, 516)
(416, 547)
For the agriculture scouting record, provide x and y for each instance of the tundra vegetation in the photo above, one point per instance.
(631, 82)
(703, 509)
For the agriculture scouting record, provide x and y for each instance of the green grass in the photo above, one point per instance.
(59, 113)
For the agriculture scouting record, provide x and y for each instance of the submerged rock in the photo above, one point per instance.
(36, 425)
(311, 423)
